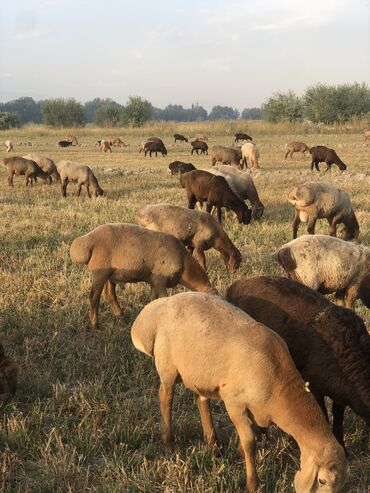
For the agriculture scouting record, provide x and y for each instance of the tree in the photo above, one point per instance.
(9, 120)
(62, 113)
(251, 114)
(26, 108)
(91, 107)
(136, 112)
(108, 115)
(223, 113)
(283, 106)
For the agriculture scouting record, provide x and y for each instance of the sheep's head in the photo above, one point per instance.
(341, 166)
(233, 261)
(244, 215)
(257, 210)
(351, 228)
(99, 191)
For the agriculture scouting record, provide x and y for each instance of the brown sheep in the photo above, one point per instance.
(202, 186)
(72, 139)
(364, 291)
(199, 145)
(330, 345)
(46, 164)
(105, 145)
(178, 167)
(180, 138)
(154, 146)
(293, 147)
(316, 200)
(201, 137)
(8, 376)
(20, 166)
(122, 253)
(225, 155)
(321, 154)
(197, 230)
(64, 143)
(80, 174)
(219, 352)
(241, 136)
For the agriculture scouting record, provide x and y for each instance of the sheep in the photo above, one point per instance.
(105, 145)
(225, 155)
(330, 345)
(20, 166)
(72, 139)
(64, 143)
(153, 146)
(9, 145)
(294, 146)
(327, 265)
(199, 145)
(241, 136)
(315, 200)
(202, 186)
(46, 164)
(364, 290)
(121, 253)
(180, 138)
(201, 137)
(8, 376)
(117, 142)
(325, 154)
(80, 174)
(197, 230)
(250, 153)
(219, 352)
(366, 135)
(242, 185)
(178, 167)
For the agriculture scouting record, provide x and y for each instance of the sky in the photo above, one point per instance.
(233, 53)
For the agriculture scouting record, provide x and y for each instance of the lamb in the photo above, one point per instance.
(120, 253)
(46, 164)
(178, 167)
(242, 185)
(180, 138)
(315, 200)
(20, 166)
(325, 154)
(105, 145)
(64, 143)
(9, 145)
(201, 137)
(330, 345)
(8, 376)
(202, 186)
(250, 153)
(80, 174)
(199, 145)
(241, 136)
(225, 155)
(219, 352)
(327, 265)
(156, 147)
(72, 139)
(293, 147)
(197, 230)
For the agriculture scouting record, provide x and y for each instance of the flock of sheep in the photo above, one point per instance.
(272, 348)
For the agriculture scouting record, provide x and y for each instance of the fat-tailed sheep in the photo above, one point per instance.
(46, 164)
(180, 138)
(20, 166)
(80, 174)
(293, 147)
(64, 143)
(250, 153)
(178, 167)
(324, 154)
(241, 136)
(199, 145)
(225, 155)
(9, 145)
(153, 146)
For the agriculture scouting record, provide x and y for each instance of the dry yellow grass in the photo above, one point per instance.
(86, 417)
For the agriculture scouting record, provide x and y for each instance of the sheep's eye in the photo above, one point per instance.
(322, 481)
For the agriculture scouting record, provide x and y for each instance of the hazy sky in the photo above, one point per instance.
(234, 53)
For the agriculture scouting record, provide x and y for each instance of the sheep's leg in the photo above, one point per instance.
(287, 154)
(339, 297)
(219, 215)
(201, 257)
(338, 416)
(328, 167)
(98, 282)
(209, 432)
(296, 223)
(10, 179)
(333, 224)
(64, 188)
(79, 189)
(313, 164)
(159, 286)
(191, 201)
(350, 297)
(166, 391)
(88, 191)
(247, 439)
(311, 225)
(110, 294)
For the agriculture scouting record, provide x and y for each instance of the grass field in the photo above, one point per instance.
(86, 414)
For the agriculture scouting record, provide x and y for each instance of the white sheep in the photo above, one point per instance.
(250, 153)
(9, 145)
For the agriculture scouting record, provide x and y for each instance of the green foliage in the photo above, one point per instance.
(176, 113)
(9, 120)
(340, 103)
(91, 107)
(223, 113)
(26, 108)
(108, 115)
(136, 112)
(283, 107)
(251, 114)
(62, 113)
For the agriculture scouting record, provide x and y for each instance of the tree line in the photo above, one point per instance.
(319, 103)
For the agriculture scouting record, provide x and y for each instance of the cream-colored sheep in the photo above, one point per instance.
(197, 230)
(105, 146)
(9, 145)
(250, 153)
(120, 253)
(46, 164)
(80, 174)
(219, 352)
(317, 200)
(326, 264)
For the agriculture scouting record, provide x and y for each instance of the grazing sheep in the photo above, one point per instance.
(117, 142)
(242, 185)
(120, 253)
(295, 147)
(330, 345)
(8, 376)
(199, 145)
(315, 200)
(80, 174)
(178, 167)
(153, 146)
(20, 166)
(225, 155)
(180, 138)
(202, 186)
(221, 353)
(9, 145)
(321, 154)
(201, 137)
(105, 145)
(366, 136)
(197, 230)
(72, 139)
(250, 153)
(327, 265)
(46, 164)
(64, 143)
(241, 136)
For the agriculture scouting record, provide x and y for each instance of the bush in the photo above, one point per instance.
(9, 120)
(108, 115)
(62, 113)
(283, 107)
(136, 112)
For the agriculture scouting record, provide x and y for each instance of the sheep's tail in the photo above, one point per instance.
(286, 259)
(143, 330)
(80, 251)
